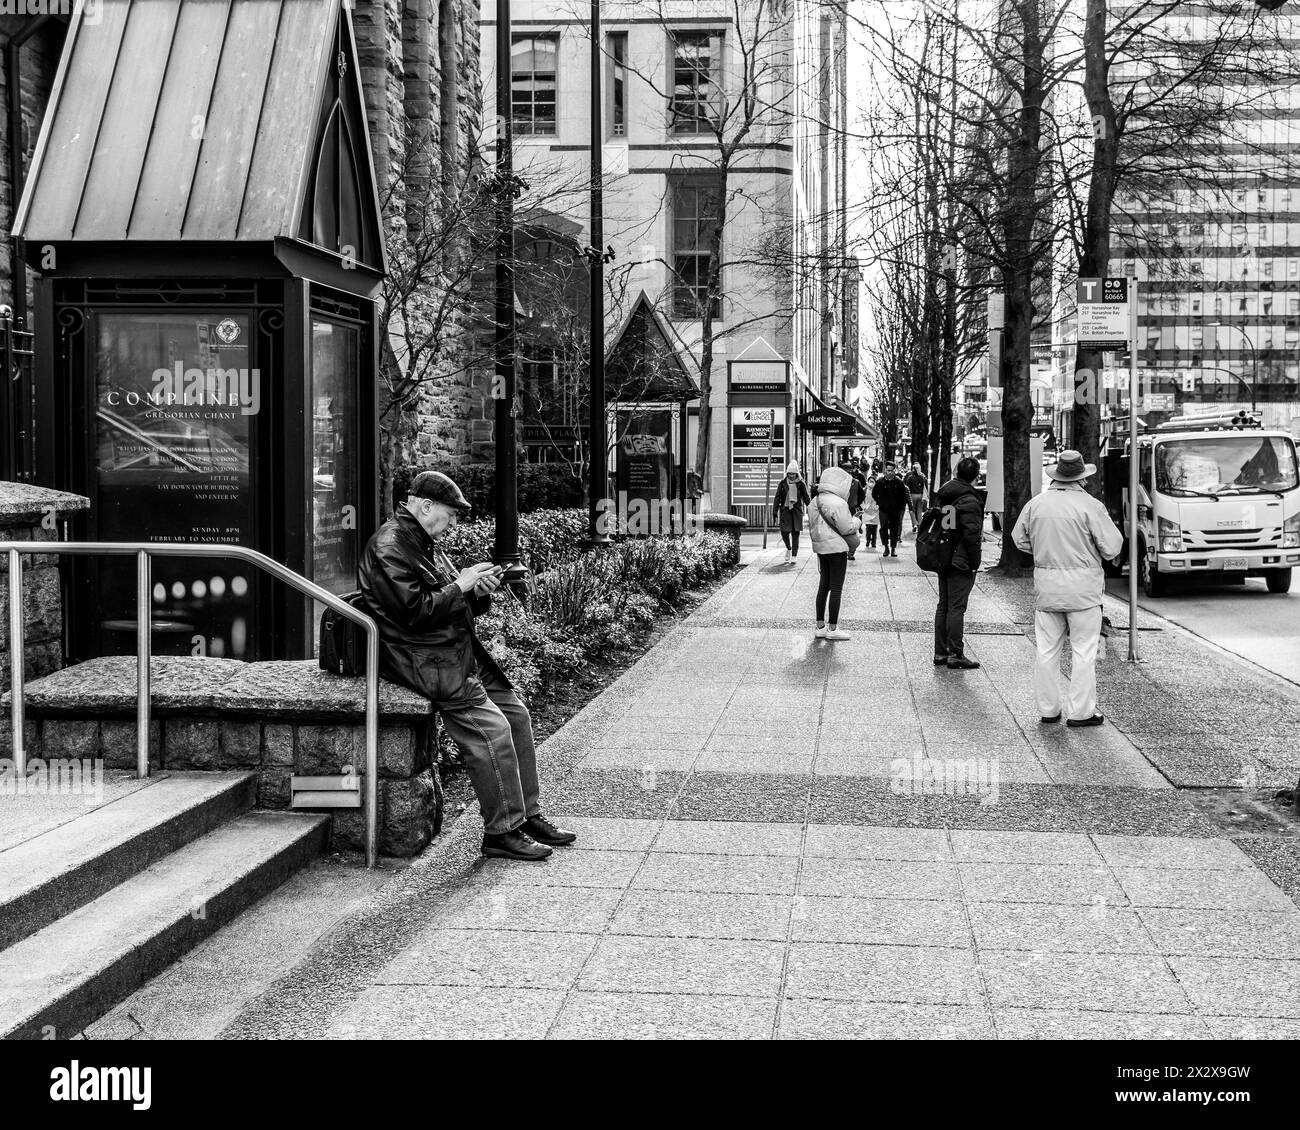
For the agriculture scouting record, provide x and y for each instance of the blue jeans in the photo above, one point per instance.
(495, 733)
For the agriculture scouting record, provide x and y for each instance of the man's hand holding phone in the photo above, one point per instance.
(484, 573)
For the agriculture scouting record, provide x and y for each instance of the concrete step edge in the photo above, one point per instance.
(69, 974)
(58, 871)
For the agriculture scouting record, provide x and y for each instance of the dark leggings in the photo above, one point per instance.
(832, 567)
(791, 540)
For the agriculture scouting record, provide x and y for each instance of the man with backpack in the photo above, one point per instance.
(961, 522)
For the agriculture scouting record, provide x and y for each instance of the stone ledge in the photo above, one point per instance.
(277, 689)
(21, 503)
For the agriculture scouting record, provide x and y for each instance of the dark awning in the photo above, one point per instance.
(195, 120)
(832, 417)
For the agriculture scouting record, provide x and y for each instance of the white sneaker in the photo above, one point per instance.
(820, 634)
(787, 557)
(836, 634)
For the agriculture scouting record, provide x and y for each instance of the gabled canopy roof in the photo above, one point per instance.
(206, 120)
(643, 364)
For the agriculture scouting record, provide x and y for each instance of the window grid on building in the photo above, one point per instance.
(618, 83)
(533, 84)
(694, 228)
(696, 105)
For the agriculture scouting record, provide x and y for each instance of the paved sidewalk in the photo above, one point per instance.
(790, 837)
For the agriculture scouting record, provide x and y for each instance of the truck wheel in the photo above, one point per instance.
(1154, 583)
(1278, 580)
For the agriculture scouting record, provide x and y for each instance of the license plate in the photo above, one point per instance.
(1235, 563)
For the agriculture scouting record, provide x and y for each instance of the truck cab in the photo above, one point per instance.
(1215, 496)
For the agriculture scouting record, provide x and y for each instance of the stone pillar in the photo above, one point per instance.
(31, 513)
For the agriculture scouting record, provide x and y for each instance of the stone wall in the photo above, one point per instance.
(276, 719)
(29, 513)
(420, 74)
(40, 59)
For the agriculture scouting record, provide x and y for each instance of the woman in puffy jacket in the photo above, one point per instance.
(834, 533)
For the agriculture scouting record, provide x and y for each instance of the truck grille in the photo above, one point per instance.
(1263, 538)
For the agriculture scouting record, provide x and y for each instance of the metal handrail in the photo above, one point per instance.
(144, 553)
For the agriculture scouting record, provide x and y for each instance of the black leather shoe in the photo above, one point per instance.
(1095, 720)
(940, 660)
(544, 832)
(961, 663)
(1053, 718)
(514, 845)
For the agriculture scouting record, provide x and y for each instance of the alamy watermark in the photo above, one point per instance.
(645, 517)
(946, 776)
(92, 10)
(57, 776)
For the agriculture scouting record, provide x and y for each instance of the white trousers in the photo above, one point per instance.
(1085, 634)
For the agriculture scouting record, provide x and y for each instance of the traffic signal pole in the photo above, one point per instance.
(1132, 473)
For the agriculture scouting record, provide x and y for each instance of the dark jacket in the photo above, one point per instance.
(967, 517)
(790, 520)
(426, 624)
(890, 494)
(857, 492)
(915, 482)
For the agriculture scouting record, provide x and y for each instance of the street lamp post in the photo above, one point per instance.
(1254, 358)
(596, 442)
(506, 549)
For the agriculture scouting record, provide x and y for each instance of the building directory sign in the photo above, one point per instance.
(1103, 313)
(768, 377)
(757, 454)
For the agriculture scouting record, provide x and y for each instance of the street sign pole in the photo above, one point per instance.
(767, 493)
(1132, 472)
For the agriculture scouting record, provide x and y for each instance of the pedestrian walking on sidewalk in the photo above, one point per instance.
(425, 610)
(870, 513)
(963, 520)
(915, 482)
(891, 496)
(834, 534)
(791, 498)
(1069, 533)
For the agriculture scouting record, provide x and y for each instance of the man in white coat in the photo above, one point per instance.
(1069, 533)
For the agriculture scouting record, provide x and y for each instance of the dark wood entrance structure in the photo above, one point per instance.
(202, 208)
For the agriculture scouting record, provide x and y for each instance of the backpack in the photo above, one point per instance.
(342, 642)
(934, 544)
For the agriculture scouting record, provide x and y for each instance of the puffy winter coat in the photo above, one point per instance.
(1069, 534)
(968, 521)
(426, 624)
(828, 516)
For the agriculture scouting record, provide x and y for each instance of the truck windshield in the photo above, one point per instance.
(1226, 464)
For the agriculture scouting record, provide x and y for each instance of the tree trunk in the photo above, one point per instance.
(1094, 260)
(1021, 230)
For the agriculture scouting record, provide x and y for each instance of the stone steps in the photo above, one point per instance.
(50, 875)
(93, 908)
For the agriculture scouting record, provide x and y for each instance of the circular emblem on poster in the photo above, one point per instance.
(227, 330)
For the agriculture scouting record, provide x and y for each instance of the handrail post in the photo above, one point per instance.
(16, 705)
(372, 744)
(143, 643)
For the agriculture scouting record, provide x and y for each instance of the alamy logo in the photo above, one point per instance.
(102, 1084)
(227, 388)
(92, 12)
(58, 776)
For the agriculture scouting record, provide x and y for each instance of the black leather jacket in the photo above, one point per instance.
(426, 624)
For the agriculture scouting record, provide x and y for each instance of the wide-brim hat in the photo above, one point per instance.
(1070, 468)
